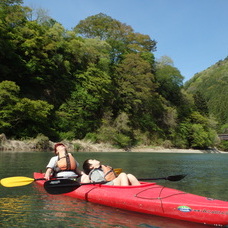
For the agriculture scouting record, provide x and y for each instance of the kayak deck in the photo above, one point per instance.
(151, 198)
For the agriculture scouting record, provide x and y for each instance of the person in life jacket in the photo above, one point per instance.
(101, 173)
(63, 164)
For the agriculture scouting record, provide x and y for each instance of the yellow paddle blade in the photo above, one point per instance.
(16, 181)
(118, 171)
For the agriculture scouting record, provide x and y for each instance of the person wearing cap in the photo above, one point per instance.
(63, 164)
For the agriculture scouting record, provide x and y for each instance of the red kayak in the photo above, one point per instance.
(154, 199)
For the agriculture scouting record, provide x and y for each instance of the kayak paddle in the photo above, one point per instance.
(21, 181)
(61, 186)
(169, 178)
(17, 181)
(118, 171)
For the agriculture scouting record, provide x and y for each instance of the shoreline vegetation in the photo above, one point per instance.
(87, 146)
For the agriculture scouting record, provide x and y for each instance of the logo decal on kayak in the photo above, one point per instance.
(210, 199)
(184, 208)
(55, 182)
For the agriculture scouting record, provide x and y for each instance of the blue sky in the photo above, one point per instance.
(193, 33)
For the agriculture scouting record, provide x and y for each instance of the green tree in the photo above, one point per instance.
(12, 17)
(84, 52)
(22, 117)
(196, 132)
(82, 112)
(9, 92)
(200, 103)
(120, 36)
(135, 83)
(47, 71)
(170, 81)
(117, 132)
(212, 85)
(200, 138)
(31, 118)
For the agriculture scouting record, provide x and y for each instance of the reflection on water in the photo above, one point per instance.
(13, 208)
(31, 206)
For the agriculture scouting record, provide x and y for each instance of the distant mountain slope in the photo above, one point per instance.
(212, 83)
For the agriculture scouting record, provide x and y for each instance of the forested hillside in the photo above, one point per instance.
(212, 84)
(98, 81)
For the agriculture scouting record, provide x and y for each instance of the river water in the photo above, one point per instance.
(30, 206)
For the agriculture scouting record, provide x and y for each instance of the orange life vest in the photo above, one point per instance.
(109, 173)
(66, 162)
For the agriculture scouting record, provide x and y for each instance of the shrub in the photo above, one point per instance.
(223, 145)
(42, 142)
(122, 141)
(91, 137)
(167, 144)
(77, 147)
(67, 135)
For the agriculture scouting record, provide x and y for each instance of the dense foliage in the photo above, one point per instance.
(99, 81)
(210, 86)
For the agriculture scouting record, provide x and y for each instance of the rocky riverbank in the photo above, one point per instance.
(42, 144)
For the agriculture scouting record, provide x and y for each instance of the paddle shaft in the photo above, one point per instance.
(169, 178)
(61, 186)
(159, 178)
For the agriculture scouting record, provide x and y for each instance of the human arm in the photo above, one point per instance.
(84, 178)
(79, 172)
(50, 167)
(48, 173)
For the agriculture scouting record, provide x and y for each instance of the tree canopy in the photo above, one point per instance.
(98, 80)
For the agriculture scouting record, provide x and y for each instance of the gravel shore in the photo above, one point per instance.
(87, 146)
